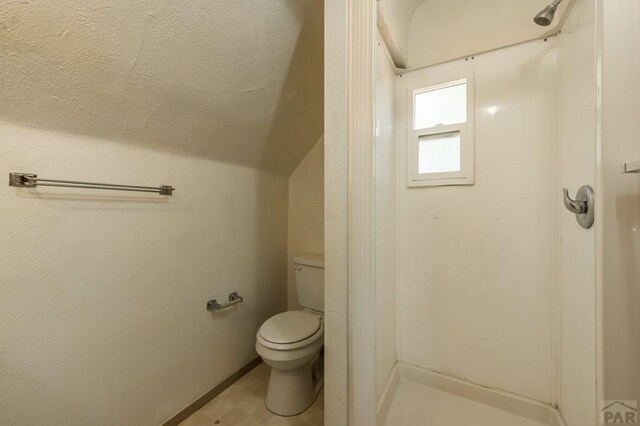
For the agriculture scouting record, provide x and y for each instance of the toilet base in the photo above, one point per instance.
(291, 392)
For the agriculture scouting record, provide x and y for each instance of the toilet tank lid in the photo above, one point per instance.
(315, 260)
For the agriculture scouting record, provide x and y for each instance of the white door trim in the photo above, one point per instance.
(361, 213)
(350, 301)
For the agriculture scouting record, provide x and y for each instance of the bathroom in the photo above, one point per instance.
(308, 213)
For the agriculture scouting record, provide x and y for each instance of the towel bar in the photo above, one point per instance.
(30, 180)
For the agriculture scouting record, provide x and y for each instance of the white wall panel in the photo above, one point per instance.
(478, 264)
(577, 141)
(620, 198)
(386, 206)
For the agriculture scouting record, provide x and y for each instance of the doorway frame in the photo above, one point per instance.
(350, 297)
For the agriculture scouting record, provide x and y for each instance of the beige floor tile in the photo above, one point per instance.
(287, 421)
(253, 405)
(221, 405)
(242, 404)
(198, 419)
(234, 417)
(313, 416)
(262, 415)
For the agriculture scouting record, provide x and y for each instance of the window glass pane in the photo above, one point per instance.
(439, 153)
(440, 106)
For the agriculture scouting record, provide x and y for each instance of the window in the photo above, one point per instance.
(440, 143)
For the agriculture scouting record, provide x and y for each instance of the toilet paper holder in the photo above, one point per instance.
(234, 299)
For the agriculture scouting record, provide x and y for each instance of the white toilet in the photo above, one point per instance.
(290, 343)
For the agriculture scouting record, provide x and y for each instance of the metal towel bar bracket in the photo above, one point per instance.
(30, 180)
(234, 299)
(632, 167)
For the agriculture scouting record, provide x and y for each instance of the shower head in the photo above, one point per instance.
(545, 17)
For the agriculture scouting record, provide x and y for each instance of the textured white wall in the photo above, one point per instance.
(576, 82)
(102, 314)
(306, 213)
(335, 203)
(478, 264)
(386, 206)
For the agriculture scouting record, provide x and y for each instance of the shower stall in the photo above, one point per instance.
(496, 301)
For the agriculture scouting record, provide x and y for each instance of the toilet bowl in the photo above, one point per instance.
(291, 343)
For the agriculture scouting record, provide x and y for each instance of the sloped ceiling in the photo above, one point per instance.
(233, 80)
(394, 17)
(419, 33)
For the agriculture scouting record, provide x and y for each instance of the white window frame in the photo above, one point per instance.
(466, 174)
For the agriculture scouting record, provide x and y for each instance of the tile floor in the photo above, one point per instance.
(242, 404)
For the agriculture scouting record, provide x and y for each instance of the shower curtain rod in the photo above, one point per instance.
(30, 180)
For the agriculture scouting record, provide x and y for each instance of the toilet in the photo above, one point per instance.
(291, 343)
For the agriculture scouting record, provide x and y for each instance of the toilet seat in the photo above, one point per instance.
(291, 330)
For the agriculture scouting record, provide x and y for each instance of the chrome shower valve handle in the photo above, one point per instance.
(582, 206)
(574, 206)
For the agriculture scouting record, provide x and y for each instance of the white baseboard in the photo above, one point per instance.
(385, 397)
(502, 400)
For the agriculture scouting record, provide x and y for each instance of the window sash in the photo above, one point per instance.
(466, 174)
(437, 87)
(434, 131)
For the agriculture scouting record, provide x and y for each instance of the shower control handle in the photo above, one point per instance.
(574, 206)
(582, 206)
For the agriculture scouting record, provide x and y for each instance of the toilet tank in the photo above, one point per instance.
(310, 280)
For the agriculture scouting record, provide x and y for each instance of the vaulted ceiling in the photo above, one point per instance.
(425, 32)
(238, 81)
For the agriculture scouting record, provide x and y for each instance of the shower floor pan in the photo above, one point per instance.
(420, 397)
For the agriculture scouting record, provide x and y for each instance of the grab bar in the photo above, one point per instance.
(234, 299)
(30, 180)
